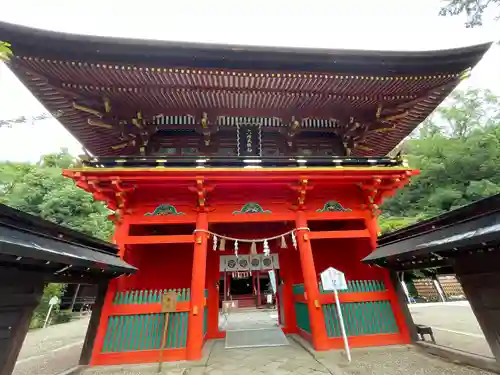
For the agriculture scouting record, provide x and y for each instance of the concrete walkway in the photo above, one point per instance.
(249, 319)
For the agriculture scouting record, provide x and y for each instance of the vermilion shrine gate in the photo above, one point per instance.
(238, 159)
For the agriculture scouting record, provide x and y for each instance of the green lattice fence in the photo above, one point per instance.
(144, 331)
(301, 312)
(298, 289)
(302, 316)
(148, 296)
(359, 286)
(361, 318)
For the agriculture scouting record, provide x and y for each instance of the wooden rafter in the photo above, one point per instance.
(154, 89)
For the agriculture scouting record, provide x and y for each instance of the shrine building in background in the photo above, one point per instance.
(222, 163)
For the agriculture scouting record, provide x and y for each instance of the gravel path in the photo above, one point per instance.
(402, 360)
(52, 350)
(454, 326)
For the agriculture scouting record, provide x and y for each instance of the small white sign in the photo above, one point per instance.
(333, 279)
(54, 301)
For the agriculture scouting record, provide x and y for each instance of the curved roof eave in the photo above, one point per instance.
(49, 44)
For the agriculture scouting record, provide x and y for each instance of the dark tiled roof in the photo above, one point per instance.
(26, 238)
(175, 78)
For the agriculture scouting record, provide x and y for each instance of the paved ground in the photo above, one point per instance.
(454, 326)
(251, 319)
(296, 360)
(402, 360)
(52, 350)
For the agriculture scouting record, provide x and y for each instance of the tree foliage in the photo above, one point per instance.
(5, 51)
(41, 190)
(473, 9)
(457, 150)
(40, 313)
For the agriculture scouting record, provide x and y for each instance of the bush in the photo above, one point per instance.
(62, 317)
(42, 309)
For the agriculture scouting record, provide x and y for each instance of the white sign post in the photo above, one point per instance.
(272, 278)
(53, 301)
(333, 279)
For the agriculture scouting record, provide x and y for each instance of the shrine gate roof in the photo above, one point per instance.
(387, 93)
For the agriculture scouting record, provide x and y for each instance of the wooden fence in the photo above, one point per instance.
(136, 323)
(367, 310)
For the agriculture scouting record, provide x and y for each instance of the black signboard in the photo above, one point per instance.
(249, 139)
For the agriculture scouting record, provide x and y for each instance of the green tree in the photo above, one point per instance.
(473, 9)
(5, 51)
(458, 152)
(40, 313)
(41, 190)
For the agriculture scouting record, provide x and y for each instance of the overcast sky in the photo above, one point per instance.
(355, 24)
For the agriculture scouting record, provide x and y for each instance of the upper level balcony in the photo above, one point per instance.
(238, 162)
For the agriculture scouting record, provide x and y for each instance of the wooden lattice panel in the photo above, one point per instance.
(451, 286)
(426, 289)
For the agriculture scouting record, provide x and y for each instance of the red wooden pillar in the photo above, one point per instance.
(195, 321)
(121, 233)
(372, 226)
(103, 321)
(213, 278)
(316, 316)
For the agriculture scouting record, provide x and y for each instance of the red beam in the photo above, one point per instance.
(136, 357)
(368, 340)
(145, 240)
(351, 215)
(339, 234)
(147, 308)
(347, 297)
(162, 219)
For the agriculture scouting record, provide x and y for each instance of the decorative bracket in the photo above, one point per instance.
(371, 195)
(301, 189)
(201, 191)
(333, 206)
(292, 129)
(100, 194)
(121, 193)
(252, 208)
(207, 129)
(164, 210)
